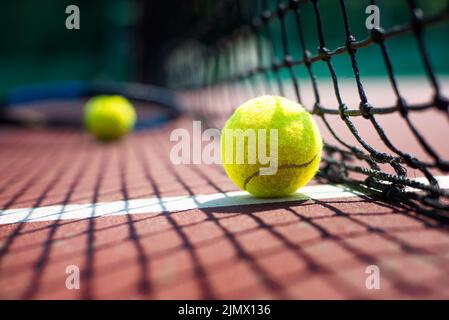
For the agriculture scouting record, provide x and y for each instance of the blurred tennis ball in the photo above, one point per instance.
(298, 150)
(109, 117)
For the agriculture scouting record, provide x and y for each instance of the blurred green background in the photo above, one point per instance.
(127, 40)
(36, 46)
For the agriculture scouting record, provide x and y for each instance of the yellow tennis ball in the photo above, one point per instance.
(109, 117)
(296, 151)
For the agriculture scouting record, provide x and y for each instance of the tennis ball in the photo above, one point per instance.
(109, 117)
(299, 146)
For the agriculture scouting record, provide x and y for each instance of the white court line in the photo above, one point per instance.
(173, 204)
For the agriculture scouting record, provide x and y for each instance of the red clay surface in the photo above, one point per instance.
(311, 249)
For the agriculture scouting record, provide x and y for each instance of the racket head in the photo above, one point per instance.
(60, 104)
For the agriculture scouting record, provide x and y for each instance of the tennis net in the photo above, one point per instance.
(295, 48)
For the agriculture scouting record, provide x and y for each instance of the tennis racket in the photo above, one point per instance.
(60, 104)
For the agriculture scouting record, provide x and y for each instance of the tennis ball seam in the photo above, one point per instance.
(284, 166)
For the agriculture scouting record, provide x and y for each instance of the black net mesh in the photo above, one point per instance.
(242, 49)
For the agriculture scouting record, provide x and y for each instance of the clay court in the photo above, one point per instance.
(138, 226)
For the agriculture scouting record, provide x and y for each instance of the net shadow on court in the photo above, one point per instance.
(286, 250)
